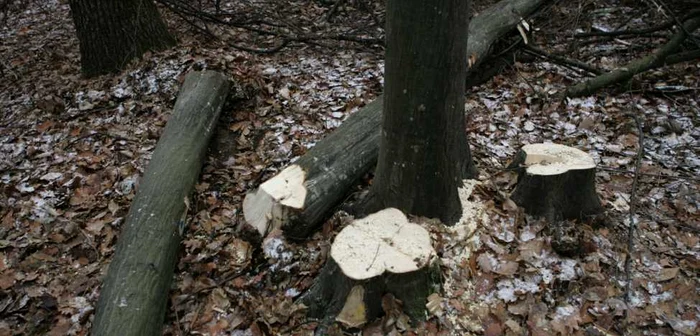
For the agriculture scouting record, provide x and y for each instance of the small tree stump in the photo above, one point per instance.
(555, 181)
(380, 254)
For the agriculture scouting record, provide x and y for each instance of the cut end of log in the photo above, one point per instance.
(555, 159)
(268, 207)
(382, 242)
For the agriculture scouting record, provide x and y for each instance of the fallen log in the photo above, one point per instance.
(380, 254)
(300, 197)
(635, 67)
(135, 291)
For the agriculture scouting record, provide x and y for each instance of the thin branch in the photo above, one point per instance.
(629, 70)
(633, 206)
(561, 60)
(670, 177)
(666, 25)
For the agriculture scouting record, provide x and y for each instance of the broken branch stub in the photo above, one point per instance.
(556, 182)
(380, 254)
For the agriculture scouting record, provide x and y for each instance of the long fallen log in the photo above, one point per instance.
(135, 292)
(635, 67)
(300, 197)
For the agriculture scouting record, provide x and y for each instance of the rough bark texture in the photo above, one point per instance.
(423, 153)
(135, 292)
(489, 26)
(113, 32)
(622, 74)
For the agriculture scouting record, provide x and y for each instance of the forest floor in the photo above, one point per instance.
(72, 151)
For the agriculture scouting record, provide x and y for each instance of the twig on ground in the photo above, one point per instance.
(633, 205)
(670, 177)
(644, 31)
(561, 60)
(626, 72)
(333, 9)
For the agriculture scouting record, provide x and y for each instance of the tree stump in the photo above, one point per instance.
(556, 182)
(380, 254)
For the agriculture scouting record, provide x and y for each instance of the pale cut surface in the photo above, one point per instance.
(383, 241)
(287, 187)
(555, 159)
(266, 208)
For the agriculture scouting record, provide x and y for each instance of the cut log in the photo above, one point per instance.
(380, 254)
(135, 291)
(300, 197)
(556, 182)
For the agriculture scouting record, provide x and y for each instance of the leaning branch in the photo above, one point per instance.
(622, 74)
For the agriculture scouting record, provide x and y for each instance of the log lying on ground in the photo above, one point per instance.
(301, 196)
(380, 254)
(135, 292)
(556, 182)
(649, 62)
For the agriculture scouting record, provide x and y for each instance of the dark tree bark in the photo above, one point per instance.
(424, 154)
(113, 32)
(135, 292)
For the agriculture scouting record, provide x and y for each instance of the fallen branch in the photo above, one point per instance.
(561, 60)
(666, 25)
(633, 205)
(622, 74)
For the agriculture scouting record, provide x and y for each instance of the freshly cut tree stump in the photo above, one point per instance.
(135, 292)
(556, 182)
(380, 254)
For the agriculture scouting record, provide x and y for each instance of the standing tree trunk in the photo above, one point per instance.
(424, 154)
(113, 32)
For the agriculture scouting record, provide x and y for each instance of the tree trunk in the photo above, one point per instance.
(337, 161)
(374, 256)
(135, 291)
(423, 153)
(113, 32)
